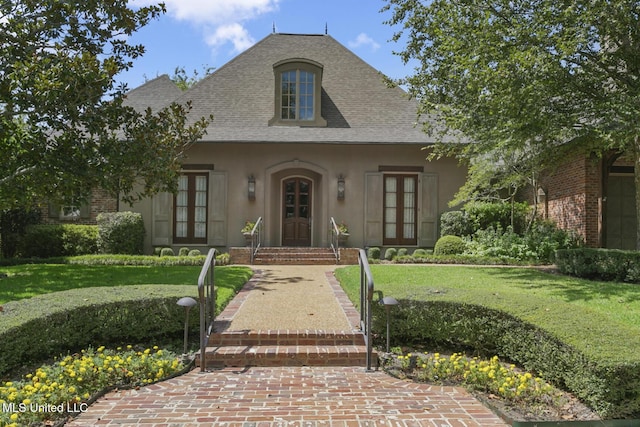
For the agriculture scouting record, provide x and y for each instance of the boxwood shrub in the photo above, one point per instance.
(48, 240)
(610, 388)
(449, 245)
(390, 254)
(373, 253)
(51, 324)
(600, 264)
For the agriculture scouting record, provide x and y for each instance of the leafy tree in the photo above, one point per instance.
(64, 125)
(523, 78)
(185, 81)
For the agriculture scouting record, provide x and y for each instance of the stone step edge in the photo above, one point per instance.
(301, 261)
(270, 338)
(286, 355)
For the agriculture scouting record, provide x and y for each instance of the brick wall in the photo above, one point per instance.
(100, 202)
(574, 197)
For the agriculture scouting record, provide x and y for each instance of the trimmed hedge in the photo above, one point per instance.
(600, 264)
(390, 254)
(221, 259)
(373, 253)
(612, 389)
(449, 245)
(67, 321)
(46, 241)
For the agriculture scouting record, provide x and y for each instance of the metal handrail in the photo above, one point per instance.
(256, 238)
(334, 240)
(207, 299)
(366, 298)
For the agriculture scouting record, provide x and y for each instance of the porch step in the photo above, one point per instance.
(286, 348)
(294, 256)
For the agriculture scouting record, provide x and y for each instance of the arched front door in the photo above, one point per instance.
(296, 212)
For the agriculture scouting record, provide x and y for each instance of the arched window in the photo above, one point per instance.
(298, 88)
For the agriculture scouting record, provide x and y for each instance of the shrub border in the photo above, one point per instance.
(600, 264)
(51, 324)
(613, 390)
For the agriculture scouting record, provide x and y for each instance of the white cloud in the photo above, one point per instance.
(220, 20)
(218, 11)
(234, 33)
(364, 40)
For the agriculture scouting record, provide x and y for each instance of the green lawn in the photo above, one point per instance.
(25, 281)
(599, 318)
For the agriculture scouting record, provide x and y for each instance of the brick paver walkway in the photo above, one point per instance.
(289, 396)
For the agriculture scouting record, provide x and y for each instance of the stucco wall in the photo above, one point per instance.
(322, 163)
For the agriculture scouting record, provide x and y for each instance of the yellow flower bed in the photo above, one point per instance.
(53, 391)
(490, 375)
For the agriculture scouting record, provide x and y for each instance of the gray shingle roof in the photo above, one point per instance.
(156, 93)
(356, 102)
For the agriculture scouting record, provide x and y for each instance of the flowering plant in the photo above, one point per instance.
(68, 384)
(248, 227)
(342, 228)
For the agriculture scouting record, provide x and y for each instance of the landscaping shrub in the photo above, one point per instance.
(47, 240)
(403, 252)
(610, 388)
(183, 252)
(13, 223)
(537, 245)
(455, 223)
(600, 264)
(68, 321)
(449, 245)
(149, 260)
(419, 253)
(194, 252)
(121, 233)
(483, 215)
(167, 252)
(390, 254)
(373, 253)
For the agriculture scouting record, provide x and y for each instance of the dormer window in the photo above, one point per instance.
(298, 85)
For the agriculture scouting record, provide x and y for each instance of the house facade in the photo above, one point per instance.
(303, 131)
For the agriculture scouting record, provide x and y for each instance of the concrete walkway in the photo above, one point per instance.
(289, 396)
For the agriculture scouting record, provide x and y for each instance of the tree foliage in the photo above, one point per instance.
(521, 78)
(65, 127)
(185, 81)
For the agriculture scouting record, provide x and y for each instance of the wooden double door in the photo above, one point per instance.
(296, 211)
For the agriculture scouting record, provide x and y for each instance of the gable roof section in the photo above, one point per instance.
(357, 104)
(156, 93)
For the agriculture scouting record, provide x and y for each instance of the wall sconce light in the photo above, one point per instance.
(252, 187)
(340, 187)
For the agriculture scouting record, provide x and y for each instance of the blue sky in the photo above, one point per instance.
(195, 34)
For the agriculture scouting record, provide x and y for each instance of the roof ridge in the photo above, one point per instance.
(152, 81)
